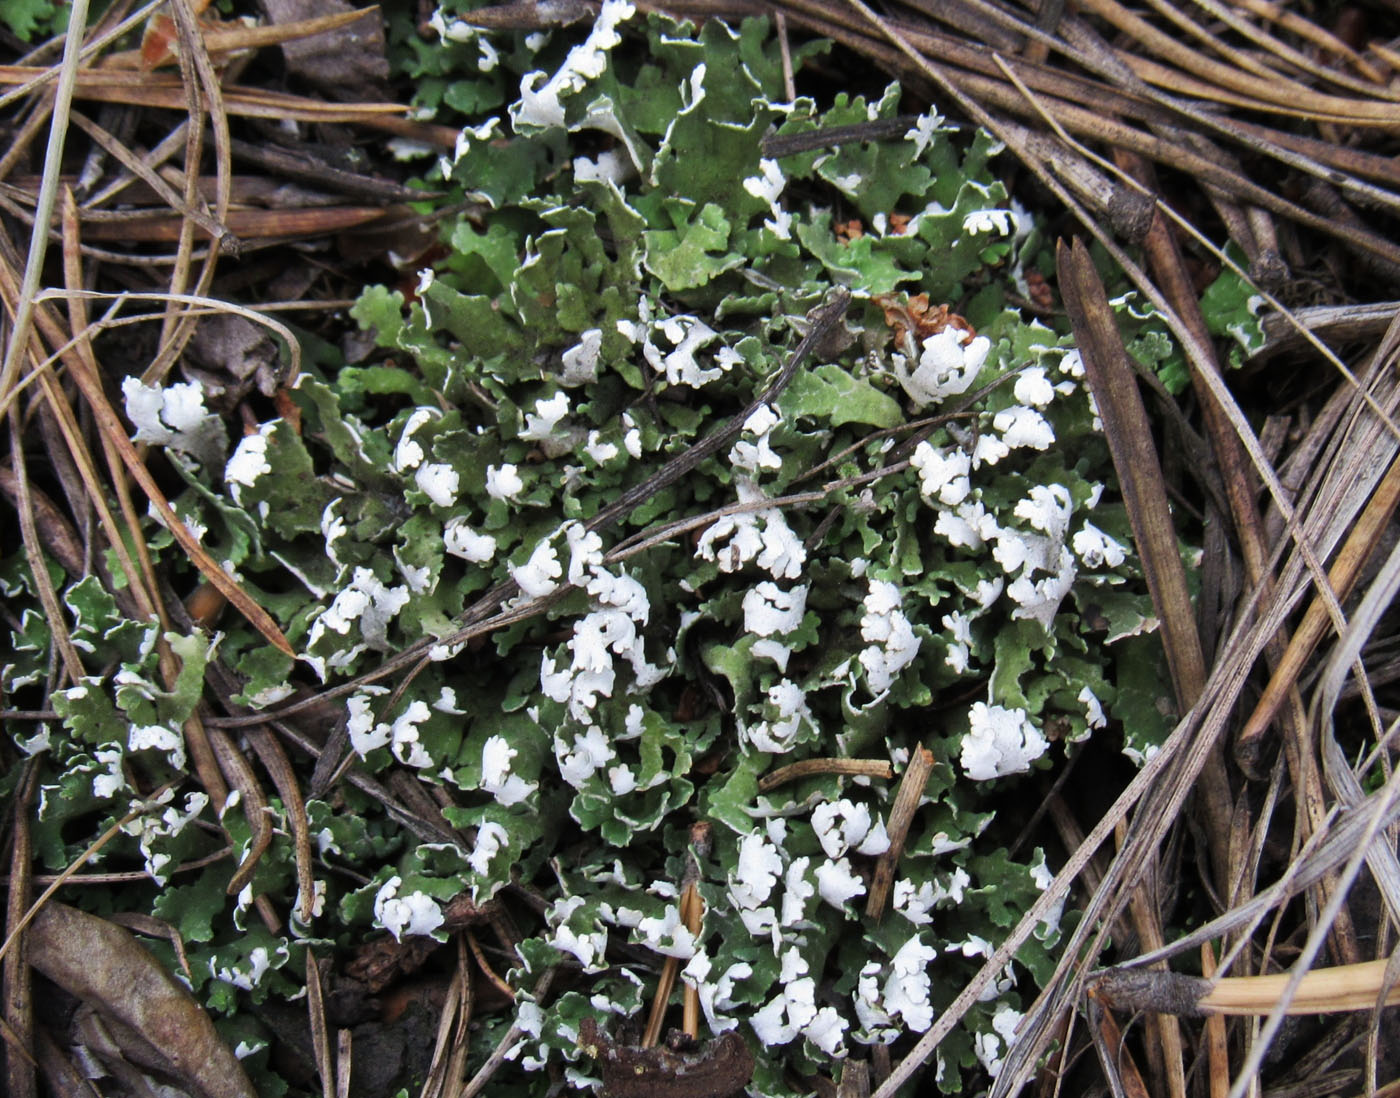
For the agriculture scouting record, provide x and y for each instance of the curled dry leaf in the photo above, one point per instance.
(107, 968)
(914, 320)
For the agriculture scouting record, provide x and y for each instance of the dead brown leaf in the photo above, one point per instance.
(107, 968)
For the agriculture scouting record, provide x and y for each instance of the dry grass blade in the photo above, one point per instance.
(1361, 544)
(16, 976)
(229, 38)
(320, 1039)
(1217, 80)
(23, 301)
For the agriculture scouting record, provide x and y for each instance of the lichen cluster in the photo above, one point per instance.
(916, 544)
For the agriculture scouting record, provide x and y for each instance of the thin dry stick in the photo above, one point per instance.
(1263, 93)
(134, 164)
(45, 76)
(83, 358)
(789, 88)
(172, 327)
(23, 137)
(1166, 1051)
(873, 768)
(486, 969)
(1217, 1043)
(1243, 60)
(164, 149)
(690, 897)
(1311, 32)
(906, 803)
(690, 1001)
(167, 92)
(1117, 1060)
(1297, 58)
(1321, 991)
(227, 38)
(1139, 472)
(130, 876)
(239, 771)
(456, 1076)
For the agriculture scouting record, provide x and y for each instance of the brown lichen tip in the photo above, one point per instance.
(720, 1068)
(1133, 989)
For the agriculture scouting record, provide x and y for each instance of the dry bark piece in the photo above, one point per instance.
(106, 967)
(1321, 991)
(344, 62)
(720, 1068)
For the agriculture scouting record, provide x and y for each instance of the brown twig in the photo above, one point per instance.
(1139, 472)
(1320, 991)
(906, 803)
(1217, 1043)
(486, 969)
(873, 768)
